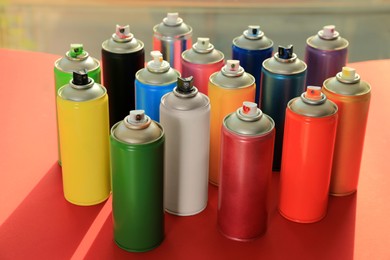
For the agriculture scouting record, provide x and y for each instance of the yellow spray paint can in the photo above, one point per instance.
(83, 124)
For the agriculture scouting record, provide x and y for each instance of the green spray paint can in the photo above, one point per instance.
(75, 60)
(137, 172)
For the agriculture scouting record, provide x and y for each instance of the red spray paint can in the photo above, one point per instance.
(308, 145)
(247, 146)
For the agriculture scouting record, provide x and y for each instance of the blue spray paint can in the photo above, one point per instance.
(325, 55)
(283, 77)
(251, 49)
(153, 82)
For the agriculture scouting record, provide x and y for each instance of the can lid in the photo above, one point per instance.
(157, 72)
(253, 39)
(249, 120)
(172, 26)
(347, 82)
(232, 75)
(81, 88)
(202, 52)
(122, 41)
(312, 103)
(76, 59)
(185, 96)
(327, 39)
(137, 128)
(285, 62)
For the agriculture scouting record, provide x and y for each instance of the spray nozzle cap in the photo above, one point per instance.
(76, 49)
(136, 117)
(232, 68)
(285, 52)
(249, 109)
(80, 78)
(348, 75)
(203, 44)
(157, 58)
(172, 19)
(253, 32)
(313, 93)
(123, 32)
(185, 85)
(328, 32)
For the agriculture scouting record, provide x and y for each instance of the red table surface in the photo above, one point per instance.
(37, 223)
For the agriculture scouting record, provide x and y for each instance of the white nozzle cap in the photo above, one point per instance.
(348, 73)
(253, 30)
(136, 117)
(157, 58)
(122, 32)
(329, 31)
(249, 109)
(172, 19)
(203, 43)
(232, 66)
(313, 93)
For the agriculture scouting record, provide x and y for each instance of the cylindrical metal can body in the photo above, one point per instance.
(352, 97)
(152, 83)
(283, 78)
(227, 91)
(309, 139)
(325, 55)
(122, 56)
(245, 175)
(201, 61)
(185, 118)
(137, 170)
(251, 49)
(84, 136)
(172, 36)
(76, 59)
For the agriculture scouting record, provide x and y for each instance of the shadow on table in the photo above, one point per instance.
(45, 225)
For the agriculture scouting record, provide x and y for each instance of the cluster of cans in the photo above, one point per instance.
(195, 119)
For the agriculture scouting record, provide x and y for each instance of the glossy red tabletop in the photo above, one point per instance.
(37, 223)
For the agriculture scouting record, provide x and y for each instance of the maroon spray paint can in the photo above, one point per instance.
(247, 146)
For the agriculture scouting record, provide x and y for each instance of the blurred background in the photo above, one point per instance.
(51, 26)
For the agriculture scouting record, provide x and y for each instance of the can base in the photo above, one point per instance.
(241, 239)
(342, 194)
(88, 204)
(185, 214)
(138, 250)
(302, 221)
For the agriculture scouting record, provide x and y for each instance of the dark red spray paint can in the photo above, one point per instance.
(247, 146)
(308, 145)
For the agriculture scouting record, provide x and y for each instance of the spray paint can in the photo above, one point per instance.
(122, 56)
(201, 61)
(352, 96)
(82, 108)
(283, 78)
(137, 170)
(228, 88)
(325, 55)
(172, 36)
(310, 133)
(247, 147)
(76, 59)
(251, 49)
(185, 116)
(153, 82)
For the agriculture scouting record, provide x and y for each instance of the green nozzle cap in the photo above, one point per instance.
(76, 49)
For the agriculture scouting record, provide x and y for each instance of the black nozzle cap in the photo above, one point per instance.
(185, 85)
(285, 52)
(80, 78)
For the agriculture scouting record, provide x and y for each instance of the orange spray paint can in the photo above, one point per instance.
(352, 97)
(309, 138)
